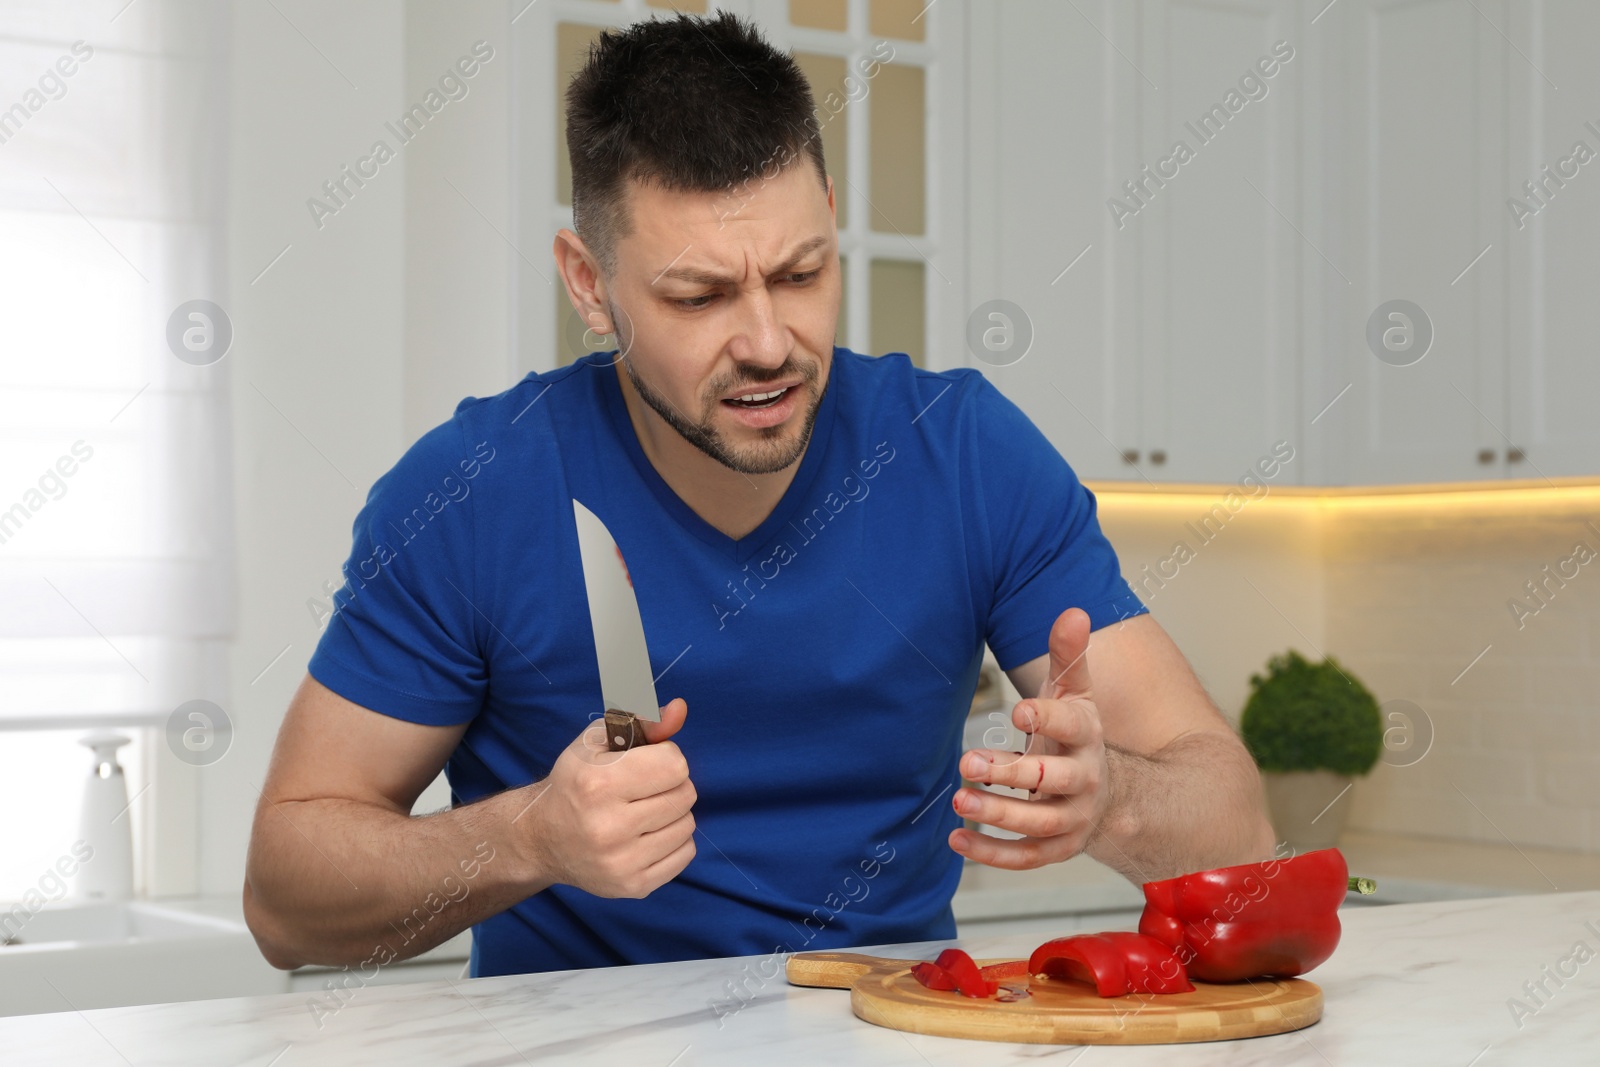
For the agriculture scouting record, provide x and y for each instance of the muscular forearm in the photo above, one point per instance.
(1193, 805)
(343, 883)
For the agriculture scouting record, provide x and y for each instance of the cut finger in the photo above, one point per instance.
(1044, 776)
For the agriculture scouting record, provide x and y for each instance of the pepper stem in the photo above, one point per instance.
(1364, 886)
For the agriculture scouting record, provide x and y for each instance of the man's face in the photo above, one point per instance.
(724, 295)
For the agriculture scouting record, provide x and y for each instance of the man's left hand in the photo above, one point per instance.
(1063, 767)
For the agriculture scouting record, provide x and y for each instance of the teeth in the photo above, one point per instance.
(756, 398)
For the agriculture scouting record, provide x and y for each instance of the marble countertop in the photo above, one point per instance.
(1408, 870)
(1410, 983)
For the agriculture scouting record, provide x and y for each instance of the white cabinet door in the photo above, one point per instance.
(1417, 115)
(1051, 123)
(1214, 206)
(1553, 240)
(1245, 297)
(1169, 332)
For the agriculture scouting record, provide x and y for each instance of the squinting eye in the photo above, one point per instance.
(694, 303)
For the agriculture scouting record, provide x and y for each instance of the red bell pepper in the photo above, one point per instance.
(956, 970)
(933, 976)
(1254, 920)
(1005, 972)
(1115, 963)
(969, 979)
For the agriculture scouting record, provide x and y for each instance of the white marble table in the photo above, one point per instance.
(1410, 983)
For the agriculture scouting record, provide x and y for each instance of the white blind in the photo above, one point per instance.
(115, 495)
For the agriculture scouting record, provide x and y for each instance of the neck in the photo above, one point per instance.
(733, 502)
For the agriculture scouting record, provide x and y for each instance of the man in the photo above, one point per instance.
(820, 542)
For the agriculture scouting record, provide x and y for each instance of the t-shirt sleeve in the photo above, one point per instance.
(402, 637)
(1047, 551)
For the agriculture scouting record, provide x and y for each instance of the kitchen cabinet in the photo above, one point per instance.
(1468, 194)
(1217, 315)
(1187, 316)
(1553, 372)
(1162, 293)
(1052, 111)
(1413, 129)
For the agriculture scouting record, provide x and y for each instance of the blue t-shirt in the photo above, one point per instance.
(828, 658)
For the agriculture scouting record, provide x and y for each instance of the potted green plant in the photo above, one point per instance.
(1312, 728)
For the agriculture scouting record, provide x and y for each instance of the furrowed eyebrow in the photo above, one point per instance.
(712, 278)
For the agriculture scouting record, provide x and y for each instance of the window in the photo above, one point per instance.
(890, 105)
(115, 550)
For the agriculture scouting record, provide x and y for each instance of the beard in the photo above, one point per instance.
(772, 453)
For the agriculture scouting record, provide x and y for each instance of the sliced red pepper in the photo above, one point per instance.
(1255, 920)
(955, 970)
(1115, 963)
(933, 976)
(969, 979)
(1005, 972)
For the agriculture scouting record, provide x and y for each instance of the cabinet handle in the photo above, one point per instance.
(1515, 455)
(1130, 455)
(1485, 456)
(1158, 456)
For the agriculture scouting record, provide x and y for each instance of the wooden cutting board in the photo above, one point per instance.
(1058, 1011)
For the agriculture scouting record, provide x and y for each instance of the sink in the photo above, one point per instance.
(104, 954)
(102, 922)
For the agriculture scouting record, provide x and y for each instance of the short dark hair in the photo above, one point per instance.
(690, 103)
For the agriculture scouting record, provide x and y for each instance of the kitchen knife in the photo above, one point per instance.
(626, 685)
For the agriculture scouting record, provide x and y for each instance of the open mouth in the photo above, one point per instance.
(759, 400)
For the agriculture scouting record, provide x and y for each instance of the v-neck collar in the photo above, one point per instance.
(742, 548)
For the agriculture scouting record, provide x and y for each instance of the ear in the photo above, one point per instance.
(586, 287)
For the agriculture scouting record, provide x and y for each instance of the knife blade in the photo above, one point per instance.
(627, 687)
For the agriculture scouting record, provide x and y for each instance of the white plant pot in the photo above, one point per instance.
(1308, 808)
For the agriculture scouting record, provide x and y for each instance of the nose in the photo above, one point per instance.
(763, 340)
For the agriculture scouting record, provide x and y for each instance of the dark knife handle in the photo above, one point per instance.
(622, 730)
